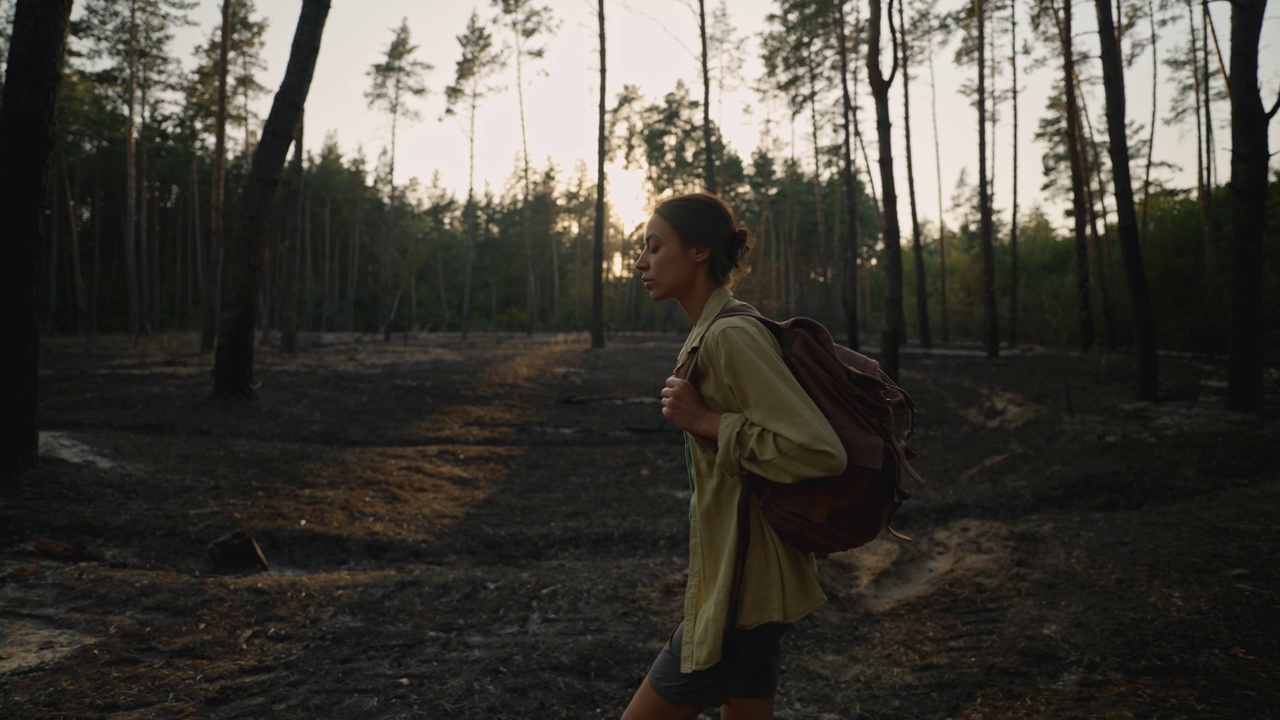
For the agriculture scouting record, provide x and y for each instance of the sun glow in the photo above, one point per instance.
(626, 196)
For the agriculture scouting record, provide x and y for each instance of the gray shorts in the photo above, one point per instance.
(748, 668)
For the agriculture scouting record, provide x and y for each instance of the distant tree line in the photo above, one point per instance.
(136, 215)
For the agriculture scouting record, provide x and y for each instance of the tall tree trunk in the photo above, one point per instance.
(73, 233)
(353, 266)
(531, 292)
(1013, 229)
(233, 371)
(597, 233)
(470, 211)
(324, 263)
(1097, 211)
(1249, 156)
(27, 118)
(1078, 210)
(388, 243)
(289, 247)
(990, 324)
(891, 333)
(942, 224)
(849, 171)
(131, 179)
(917, 244)
(211, 302)
(1151, 129)
(708, 153)
(1144, 329)
(309, 273)
(147, 292)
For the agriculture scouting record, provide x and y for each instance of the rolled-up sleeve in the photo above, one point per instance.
(769, 425)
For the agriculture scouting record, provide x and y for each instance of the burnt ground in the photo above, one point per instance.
(497, 528)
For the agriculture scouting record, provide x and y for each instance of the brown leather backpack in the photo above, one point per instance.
(873, 418)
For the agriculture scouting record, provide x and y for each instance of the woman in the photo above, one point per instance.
(747, 413)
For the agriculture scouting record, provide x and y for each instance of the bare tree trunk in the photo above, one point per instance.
(942, 225)
(131, 181)
(850, 175)
(1078, 209)
(27, 131)
(73, 232)
(233, 371)
(917, 244)
(211, 301)
(531, 293)
(891, 332)
(353, 265)
(1013, 229)
(597, 232)
(289, 248)
(1151, 130)
(1144, 330)
(1249, 156)
(990, 325)
(309, 274)
(708, 154)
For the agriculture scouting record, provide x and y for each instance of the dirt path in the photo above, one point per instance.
(496, 529)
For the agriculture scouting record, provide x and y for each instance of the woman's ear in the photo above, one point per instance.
(701, 253)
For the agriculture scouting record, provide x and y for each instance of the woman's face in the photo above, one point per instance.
(667, 265)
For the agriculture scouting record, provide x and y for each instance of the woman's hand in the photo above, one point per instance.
(682, 406)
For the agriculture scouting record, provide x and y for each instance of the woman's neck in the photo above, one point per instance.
(695, 300)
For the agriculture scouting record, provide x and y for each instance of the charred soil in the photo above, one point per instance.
(496, 528)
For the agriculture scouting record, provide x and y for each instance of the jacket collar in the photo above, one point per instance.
(719, 298)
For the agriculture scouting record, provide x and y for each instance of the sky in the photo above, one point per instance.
(654, 44)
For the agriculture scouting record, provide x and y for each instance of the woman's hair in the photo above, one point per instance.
(704, 219)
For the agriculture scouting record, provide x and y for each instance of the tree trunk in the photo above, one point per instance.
(289, 248)
(850, 174)
(1144, 329)
(27, 130)
(942, 225)
(1013, 215)
(990, 324)
(131, 180)
(233, 372)
(211, 302)
(597, 233)
(73, 233)
(309, 271)
(1249, 156)
(531, 293)
(1078, 209)
(917, 244)
(324, 263)
(891, 333)
(709, 160)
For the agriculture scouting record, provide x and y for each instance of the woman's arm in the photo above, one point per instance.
(768, 424)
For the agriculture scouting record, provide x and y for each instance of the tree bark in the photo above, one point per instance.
(709, 160)
(289, 248)
(917, 245)
(27, 117)
(233, 372)
(990, 324)
(1078, 210)
(211, 302)
(891, 333)
(597, 233)
(1144, 329)
(1013, 214)
(850, 177)
(1249, 156)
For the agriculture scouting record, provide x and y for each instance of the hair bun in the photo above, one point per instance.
(741, 236)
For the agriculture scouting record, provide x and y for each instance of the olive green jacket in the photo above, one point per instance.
(768, 426)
